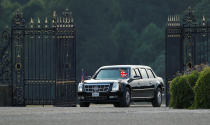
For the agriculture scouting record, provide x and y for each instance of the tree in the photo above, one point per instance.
(124, 40)
(150, 44)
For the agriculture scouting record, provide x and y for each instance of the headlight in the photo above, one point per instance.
(80, 86)
(115, 87)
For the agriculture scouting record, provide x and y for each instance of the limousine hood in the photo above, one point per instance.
(104, 81)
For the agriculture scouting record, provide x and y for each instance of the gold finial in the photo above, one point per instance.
(170, 18)
(38, 20)
(46, 20)
(54, 13)
(18, 55)
(31, 21)
(203, 21)
(173, 18)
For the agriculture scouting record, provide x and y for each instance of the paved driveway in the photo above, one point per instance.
(102, 115)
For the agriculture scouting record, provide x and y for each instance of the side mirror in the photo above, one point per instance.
(134, 78)
(137, 77)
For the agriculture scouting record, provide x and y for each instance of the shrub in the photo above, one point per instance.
(181, 92)
(192, 78)
(202, 90)
(172, 91)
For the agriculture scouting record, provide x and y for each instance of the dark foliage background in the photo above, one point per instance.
(112, 31)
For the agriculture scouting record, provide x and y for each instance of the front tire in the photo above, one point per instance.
(84, 104)
(126, 98)
(157, 101)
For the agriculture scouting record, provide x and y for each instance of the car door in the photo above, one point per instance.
(143, 83)
(134, 83)
(152, 83)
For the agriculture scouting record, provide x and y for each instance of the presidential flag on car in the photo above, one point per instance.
(123, 73)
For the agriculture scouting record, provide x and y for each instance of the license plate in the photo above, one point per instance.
(95, 94)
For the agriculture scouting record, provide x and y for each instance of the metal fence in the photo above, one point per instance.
(38, 59)
(186, 44)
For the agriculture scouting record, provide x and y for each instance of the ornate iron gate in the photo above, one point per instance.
(186, 45)
(43, 60)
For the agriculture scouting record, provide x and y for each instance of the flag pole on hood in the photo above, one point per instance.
(83, 77)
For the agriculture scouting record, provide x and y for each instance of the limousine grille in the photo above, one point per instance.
(96, 88)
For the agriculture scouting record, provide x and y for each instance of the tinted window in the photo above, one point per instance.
(137, 72)
(143, 73)
(112, 74)
(150, 74)
(133, 72)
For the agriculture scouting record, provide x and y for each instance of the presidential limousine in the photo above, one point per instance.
(121, 84)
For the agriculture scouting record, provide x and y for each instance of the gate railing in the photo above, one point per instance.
(37, 51)
(5, 58)
(187, 44)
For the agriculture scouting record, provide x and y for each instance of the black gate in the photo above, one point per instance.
(43, 60)
(186, 45)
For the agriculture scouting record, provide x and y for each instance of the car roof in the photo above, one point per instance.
(125, 66)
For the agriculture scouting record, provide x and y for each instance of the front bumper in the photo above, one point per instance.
(103, 98)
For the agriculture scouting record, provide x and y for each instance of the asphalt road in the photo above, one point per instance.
(102, 115)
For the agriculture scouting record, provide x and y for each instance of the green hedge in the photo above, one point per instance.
(202, 90)
(191, 91)
(193, 77)
(181, 92)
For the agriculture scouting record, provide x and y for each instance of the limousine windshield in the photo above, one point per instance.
(113, 74)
